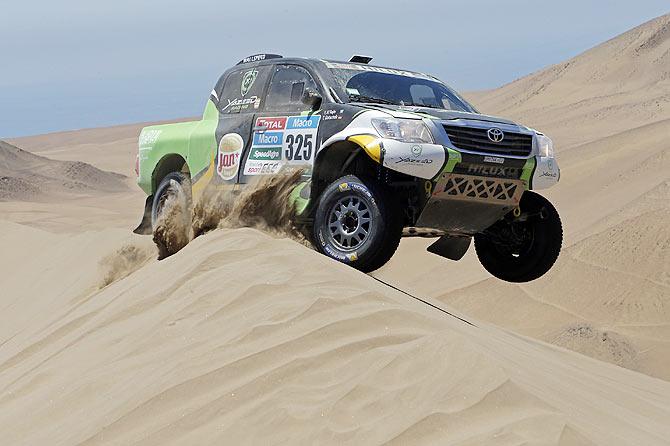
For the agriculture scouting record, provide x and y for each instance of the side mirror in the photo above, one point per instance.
(312, 98)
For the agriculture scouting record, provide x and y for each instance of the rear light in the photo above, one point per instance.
(137, 165)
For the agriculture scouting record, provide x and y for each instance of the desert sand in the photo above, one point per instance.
(245, 337)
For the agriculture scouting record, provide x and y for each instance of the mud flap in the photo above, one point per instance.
(453, 248)
(144, 227)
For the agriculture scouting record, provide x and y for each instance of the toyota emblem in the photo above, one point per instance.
(496, 135)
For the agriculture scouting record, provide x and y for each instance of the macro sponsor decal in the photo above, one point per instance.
(271, 139)
(281, 141)
(248, 79)
(300, 139)
(228, 156)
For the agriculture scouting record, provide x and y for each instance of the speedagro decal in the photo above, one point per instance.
(283, 140)
(228, 157)
(248, 80)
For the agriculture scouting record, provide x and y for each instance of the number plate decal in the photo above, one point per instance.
(289, 140)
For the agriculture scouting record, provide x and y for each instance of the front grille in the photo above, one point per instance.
(476, 139)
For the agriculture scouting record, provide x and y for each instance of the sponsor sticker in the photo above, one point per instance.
(494, 159)
(373, 69)
(329, 115)
(236, 105)
(343, 187)
(549, 174)
(149, 137)
(271, 123)
(274, 139)
(265, 154)
(280, 141)
(248, 79)
(228, 156)
(259, 167)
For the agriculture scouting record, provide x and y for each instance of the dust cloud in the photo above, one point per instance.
(263, 204)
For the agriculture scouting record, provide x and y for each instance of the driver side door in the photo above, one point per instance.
(285, 131)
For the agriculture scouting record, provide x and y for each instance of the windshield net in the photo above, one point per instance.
(389, 86)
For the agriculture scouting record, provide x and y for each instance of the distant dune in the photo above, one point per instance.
(609, 113)
(247, 338)
(25, 176)
(621, 84)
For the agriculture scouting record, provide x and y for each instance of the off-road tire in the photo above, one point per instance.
(534, 257)
(365, 199)
(166, 187)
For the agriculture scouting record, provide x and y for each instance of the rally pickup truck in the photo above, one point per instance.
(385, 153)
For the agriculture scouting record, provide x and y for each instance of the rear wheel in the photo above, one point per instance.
(357, 223)
(523, 248)
(171, 213)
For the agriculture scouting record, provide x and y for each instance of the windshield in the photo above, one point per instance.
(364, 83)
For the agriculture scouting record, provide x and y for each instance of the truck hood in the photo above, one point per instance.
(398, 111)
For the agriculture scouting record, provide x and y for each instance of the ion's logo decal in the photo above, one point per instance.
(283, 140)
(248, 80)
(228, 158)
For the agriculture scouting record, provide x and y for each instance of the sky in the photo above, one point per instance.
(71, 64)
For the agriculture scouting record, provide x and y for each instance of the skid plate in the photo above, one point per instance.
(466, 205)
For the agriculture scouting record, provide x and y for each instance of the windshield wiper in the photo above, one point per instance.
(370, 99)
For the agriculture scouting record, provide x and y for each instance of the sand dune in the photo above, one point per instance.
(621, 84)
(607, 296)
(244, 338)
(281, 345)
(24, 175)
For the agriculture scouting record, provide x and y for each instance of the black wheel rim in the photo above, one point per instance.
(349, 222)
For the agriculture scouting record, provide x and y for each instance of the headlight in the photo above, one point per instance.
(405, 130)
(545, 146)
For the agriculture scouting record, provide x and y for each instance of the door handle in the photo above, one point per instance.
(260, 128)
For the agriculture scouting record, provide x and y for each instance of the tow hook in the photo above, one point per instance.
(525, 216)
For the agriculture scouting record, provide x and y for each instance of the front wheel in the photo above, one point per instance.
(357, 223)
(525, 247)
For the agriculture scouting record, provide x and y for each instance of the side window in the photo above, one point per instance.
(286, 88)
(243, 90)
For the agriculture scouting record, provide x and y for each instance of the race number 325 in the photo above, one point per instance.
(300, 139)
(299, 147)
